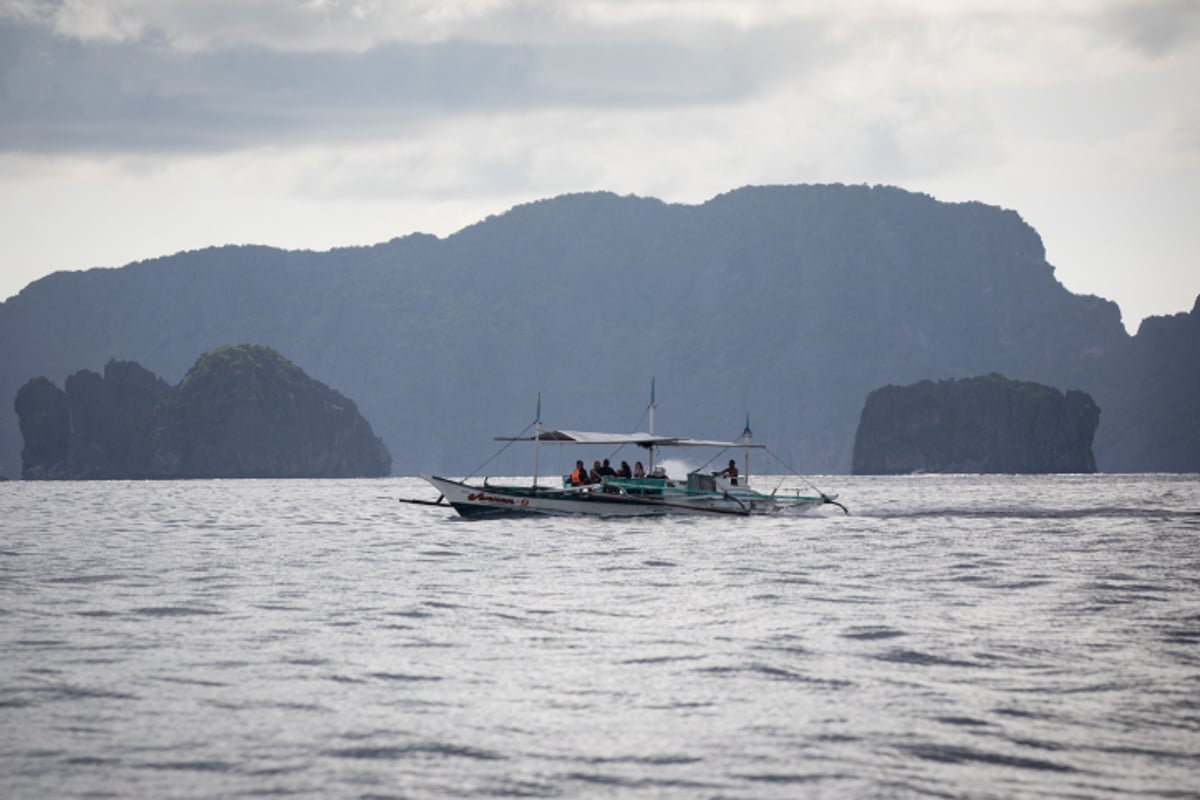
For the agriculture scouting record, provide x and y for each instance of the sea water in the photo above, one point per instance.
(954, 636)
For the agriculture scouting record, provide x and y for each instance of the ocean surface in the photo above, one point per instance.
(955, 636)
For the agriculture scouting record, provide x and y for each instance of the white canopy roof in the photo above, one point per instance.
(641, 439)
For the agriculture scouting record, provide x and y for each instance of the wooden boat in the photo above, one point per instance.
(653, 495)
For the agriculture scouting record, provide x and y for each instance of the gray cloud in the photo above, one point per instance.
(1153, 28)
(133, 76)
(64, 94)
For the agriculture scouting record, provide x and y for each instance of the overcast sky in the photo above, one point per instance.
(136, 128)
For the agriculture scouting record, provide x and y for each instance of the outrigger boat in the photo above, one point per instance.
(654, 495)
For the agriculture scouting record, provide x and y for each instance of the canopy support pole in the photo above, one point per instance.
(746, 434)
(651, 448)
(537, 440)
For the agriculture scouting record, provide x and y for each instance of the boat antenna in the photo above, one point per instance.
(651, 411)
(746, 436)
(537, 440)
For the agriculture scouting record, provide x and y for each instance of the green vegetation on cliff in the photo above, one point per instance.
(248, 411)
(242, 411)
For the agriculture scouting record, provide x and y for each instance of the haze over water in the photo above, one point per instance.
(955, 636)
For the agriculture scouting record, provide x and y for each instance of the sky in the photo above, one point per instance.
(131, 129)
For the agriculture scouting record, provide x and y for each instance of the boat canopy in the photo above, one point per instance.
(640, 439)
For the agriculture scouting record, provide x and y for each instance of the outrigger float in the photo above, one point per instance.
(654, 495)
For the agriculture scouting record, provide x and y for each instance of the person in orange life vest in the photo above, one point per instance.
(579, 475)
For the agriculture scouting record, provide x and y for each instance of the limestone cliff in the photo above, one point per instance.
(45, 421)
(249, 412)
(986, 424)
(241, 411)
(111, 420)
(1152, 400)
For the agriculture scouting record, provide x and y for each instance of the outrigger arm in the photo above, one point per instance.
(416, 502)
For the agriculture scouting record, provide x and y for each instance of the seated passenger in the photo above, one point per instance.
(579, 476)
(624, 471)
(594, 473)
(660, 474)
(606, 470)
(639, 471)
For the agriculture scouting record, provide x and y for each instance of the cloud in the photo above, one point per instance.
(1154, 29)
(889, 91)
(71, 95)
(354, 25)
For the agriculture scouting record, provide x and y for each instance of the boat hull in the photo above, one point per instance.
(493, 501)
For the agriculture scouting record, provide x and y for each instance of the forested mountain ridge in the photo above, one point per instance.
(790, 302)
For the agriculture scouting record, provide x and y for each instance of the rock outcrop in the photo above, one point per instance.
(986, 424)
(1152, 405)
(242, 411)
(112, 421)
(45, 421)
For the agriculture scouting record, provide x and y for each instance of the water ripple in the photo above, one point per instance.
(958, 636)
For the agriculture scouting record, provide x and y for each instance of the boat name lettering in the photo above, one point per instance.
(480, 497)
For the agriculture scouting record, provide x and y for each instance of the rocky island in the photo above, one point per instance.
(988, 424)
(240, 412)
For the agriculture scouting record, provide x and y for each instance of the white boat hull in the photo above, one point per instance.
(472, 501)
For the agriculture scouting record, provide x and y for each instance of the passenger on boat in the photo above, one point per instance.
(579, 476)
(606, 470)
(624, 471)
(594, 474)
(638, 470)
(731, 472)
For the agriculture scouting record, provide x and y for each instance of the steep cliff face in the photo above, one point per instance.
(975, 425)
(45, 422)
(240, 412)
(112, 420)
(1152, 398)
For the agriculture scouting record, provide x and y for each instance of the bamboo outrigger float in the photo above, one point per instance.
(654, 495)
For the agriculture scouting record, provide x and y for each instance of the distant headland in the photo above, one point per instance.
(240, 412)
